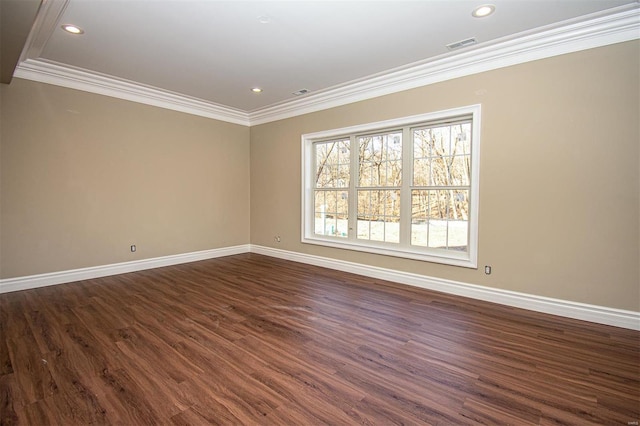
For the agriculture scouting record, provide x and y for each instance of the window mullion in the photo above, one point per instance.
(405, 190)
(353, 195)
(310, 193)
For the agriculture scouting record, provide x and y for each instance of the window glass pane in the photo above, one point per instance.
(460, 170)
(419, 217)
(364, 203)
(421, 172)
(343, 176)
(332, 164)
(458, 235)
(331, 213)
(460, 204)
(379, 147)
(368, 203)
(461, 139)
(439, 175)
(440, 219)
(363, 227)
(318, 224)
(442, 156)
(379, 215)
(332, 203)
(386, 178)
(331, 226)
(380, 160)
(419, 202)
(320, 203)
(437, 233)
(421, 143)
(344, 161)
(438, 204)
(392, 230)
(392, 147)
(377, 230)
(392, 216)
(320, 213)
(391, 202)
(440, 141)
(458, 220)
(370, 174)
(344, 147)
(343, 203)
(437, 210)
(342, 226)
(394, 173)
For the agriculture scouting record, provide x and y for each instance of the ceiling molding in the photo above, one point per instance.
(570, 36)
(45, 24)
(548, 42)
(65, 76)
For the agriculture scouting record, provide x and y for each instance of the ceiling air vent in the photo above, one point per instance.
(301, 92)
(462, 43)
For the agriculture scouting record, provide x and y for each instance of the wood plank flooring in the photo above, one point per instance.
(249, 339)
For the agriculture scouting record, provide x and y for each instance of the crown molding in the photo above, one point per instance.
(65, 76)
(45, 24)
(567, 37)
(609, 27)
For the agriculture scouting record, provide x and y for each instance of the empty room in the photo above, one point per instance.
(319, 212)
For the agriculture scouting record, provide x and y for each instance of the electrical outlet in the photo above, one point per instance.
(487, 270)
(133, 248)
(276, 238)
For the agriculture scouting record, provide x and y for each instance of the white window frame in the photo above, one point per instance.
(467, 259)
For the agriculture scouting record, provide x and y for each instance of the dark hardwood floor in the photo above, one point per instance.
(250, 339)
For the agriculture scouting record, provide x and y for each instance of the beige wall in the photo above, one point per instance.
(559, 186)
(85, 176)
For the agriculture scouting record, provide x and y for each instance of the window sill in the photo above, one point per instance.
(464, 260)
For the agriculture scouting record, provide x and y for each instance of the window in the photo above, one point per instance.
(379, 186)
(406, 187)
(331, 192)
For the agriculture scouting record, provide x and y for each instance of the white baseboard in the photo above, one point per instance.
(42, 280)
(581, 311)
(565, 308)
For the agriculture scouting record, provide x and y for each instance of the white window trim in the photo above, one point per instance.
(468, 259)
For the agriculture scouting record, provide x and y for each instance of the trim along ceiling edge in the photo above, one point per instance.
(570, 36)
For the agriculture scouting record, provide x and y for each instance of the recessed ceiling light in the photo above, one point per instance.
(72, 29)
(256, 90)
(484, 10)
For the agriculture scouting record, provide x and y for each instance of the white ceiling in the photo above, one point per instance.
(216, 51)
